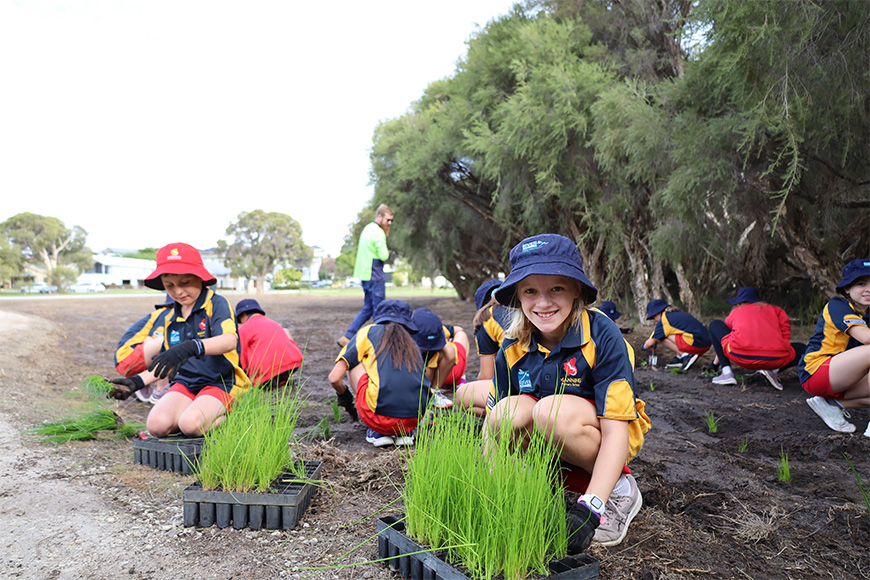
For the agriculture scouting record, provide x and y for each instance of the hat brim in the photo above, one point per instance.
(246, 310)
(432, 346)
(651, 315)
(154, 281)
(408, 324)
(848, 280)
(507, 291)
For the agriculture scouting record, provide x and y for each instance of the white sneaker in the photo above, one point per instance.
(772, 378)
(378, 439)
(618, 513)
(440, 400)
(726, 378)
(405, 440)
(867, 432)
(832, 413)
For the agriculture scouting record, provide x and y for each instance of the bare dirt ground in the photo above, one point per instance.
(84, 510)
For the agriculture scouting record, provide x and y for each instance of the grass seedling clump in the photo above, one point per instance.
(496, 514)
(712, 422)
(744, 444)
(782, 471)
(97, 387)
(86, 427)
(254, 444)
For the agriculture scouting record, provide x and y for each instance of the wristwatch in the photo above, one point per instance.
(594, 502)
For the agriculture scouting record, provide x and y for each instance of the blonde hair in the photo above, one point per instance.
(384, 209)
(522, 329)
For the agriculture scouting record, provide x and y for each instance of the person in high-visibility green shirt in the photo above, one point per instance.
(370, 256)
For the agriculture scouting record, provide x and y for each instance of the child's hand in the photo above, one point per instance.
(169, 362)
(123, 387)
(346, 400)
(582, 523)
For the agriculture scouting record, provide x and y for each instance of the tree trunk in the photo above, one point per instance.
(687, 296)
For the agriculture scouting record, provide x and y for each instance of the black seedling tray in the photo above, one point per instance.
(280, 509)
(176, 453)
(412, 562)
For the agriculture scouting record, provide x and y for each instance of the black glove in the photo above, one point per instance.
(124, 387)
(582, 523)
(345, 400)
(169, 362)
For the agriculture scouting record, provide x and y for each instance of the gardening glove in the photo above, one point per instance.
(169, 362)
(582, 523)
(123, 387)
(345, 400)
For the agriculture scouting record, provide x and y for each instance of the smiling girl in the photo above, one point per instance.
(200, 353)
(836, 366)
(564, 371)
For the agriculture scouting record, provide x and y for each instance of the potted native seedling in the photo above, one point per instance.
(491, 515)
(249, 473)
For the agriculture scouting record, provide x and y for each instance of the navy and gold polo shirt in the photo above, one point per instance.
(830, 337)
(147, 326)
(211, 316)
(694, 333)
(593, 361)
(393, 391)
(491, 333)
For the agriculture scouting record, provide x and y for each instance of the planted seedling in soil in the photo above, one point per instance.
(712, 422)
(782, 471)
(744, 444)
(862, 487)
(336, 411)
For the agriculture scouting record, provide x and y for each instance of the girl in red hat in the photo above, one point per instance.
(200, 352)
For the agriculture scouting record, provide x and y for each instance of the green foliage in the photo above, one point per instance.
(143, 254)
(499, 514)
(254, 444)
(262, 241)
(783, 473)
(712, 422)
(47, 241)
(287, 276)
(744, 445)
(85, 427)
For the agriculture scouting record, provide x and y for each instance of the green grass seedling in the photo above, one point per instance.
(336, 411)
(782, 471)
(254, 444)
(862, 487)
(652, 387)
(497, 514)
(744, 444)
(86, 427)
(712, 422)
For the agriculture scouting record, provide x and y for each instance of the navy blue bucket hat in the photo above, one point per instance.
(854, 270)
(745, 294)
(609, 308)
(248, 305)
(397, 311)
(167, 301)
(546, 255)
(654, 307)
(430, 335)
(484, 293)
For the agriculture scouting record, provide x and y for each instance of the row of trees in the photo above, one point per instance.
(34, 238)
(688, 147)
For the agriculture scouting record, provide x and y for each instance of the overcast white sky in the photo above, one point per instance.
(157, 121)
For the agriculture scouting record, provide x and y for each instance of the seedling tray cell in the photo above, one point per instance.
(280, 509)
(412, 562)
(175, 453)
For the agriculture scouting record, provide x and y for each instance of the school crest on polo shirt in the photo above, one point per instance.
(570, 367)
(525, 381)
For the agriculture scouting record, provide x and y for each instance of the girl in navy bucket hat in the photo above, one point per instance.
(385, 369)
(836, 366)
(565, 371)
(444, 348)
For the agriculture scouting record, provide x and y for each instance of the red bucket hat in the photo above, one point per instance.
(178, 259)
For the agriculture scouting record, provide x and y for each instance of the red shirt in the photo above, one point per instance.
(267, 351)
(758, 329)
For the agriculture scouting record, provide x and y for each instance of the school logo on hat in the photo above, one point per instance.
(173, 254)
(529, 246)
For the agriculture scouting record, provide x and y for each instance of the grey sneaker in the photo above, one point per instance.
(143, 394)
(725, 378)
(618, 513)
(405, 440)
(832, 413)
(772, 378)
(156, 393)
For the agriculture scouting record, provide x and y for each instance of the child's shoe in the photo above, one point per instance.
(157, 393)
(832, 413)
(772, 378)
(726, 378)
(378, 439)
(618, 513)
(867, 432)
(405, 440)
(440, 400)
(144, 394)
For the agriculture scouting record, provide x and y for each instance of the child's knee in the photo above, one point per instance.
(159, 425)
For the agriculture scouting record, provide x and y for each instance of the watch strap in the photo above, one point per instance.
(594, 502)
